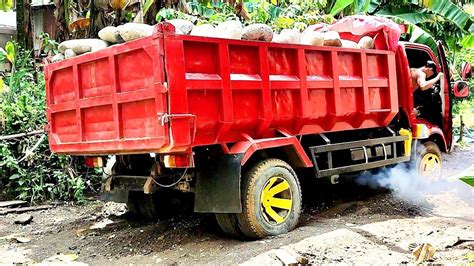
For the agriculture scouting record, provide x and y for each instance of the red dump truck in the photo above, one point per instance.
(234, 121)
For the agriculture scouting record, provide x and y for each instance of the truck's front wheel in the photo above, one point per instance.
(429, 161)
(271, 200)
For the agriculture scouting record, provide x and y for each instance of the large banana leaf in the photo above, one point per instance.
(339, 6)
(408, 14)
(6, 5)
(362, 6)
(449, 11)
(417, 34)
(147, 5)
(357, 6)
(468, 42)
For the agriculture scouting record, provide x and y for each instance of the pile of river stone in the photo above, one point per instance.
(315, 35)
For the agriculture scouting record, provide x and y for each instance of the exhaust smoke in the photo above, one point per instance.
(408, 185)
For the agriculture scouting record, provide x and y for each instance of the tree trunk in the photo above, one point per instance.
(24, 30)
(62, 33)
(150, 16)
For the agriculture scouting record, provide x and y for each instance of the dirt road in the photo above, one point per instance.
(330, 212)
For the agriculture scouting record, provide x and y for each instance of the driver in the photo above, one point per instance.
(419, 75)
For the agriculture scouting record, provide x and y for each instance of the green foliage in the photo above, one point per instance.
(28, 170)
(8, 53)
(468, 42)
(147, 5)
(339, 6)
(463, 107)
(48, 45)
(6, 5)
(430, 20)
(278, 14)
(449, 11)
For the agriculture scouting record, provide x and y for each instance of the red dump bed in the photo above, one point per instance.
(171, 92)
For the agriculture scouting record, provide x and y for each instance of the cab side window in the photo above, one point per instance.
(417, 58)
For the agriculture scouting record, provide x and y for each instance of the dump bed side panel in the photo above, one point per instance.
(224, 89)
(109, 101)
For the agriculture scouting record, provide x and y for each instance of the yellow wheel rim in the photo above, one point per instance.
(430, 166)
(276, 201)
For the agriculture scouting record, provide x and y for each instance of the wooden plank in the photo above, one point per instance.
(26, 209)
(11, 203)
(285, 257)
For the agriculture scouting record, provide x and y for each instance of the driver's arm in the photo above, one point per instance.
(424, 84)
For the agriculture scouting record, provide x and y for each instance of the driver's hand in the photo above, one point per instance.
(441, 75)
(416, 111)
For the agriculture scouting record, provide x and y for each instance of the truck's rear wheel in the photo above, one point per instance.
(429, 161)
(229, 224)
(143, 205)
(271, 200)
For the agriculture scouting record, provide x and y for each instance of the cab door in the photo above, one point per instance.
(447, 91)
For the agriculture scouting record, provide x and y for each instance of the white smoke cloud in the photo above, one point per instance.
(409, 186)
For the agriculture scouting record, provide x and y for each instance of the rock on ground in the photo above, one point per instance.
(390, 242)
(341, 246)
(114, 209)
(24, 218)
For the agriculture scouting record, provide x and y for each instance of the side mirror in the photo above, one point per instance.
(466, 71)
(461, 89)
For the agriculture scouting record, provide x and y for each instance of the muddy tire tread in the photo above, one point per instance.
(229, 224)
(247, 219)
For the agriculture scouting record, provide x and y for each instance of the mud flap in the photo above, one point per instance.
(218, 185)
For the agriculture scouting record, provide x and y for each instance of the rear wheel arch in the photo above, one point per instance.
(287, 154)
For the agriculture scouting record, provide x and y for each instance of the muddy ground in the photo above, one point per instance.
(341, 223)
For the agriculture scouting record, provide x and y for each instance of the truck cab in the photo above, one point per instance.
(428, 113)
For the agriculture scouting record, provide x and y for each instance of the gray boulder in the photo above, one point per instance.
(110, 34)
(184, 26)
(257, 32)
(230, 30)
(133, 31)
(81, 46)
(23, 219)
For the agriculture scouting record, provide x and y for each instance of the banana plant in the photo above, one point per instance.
(346, 7)
(8, 53)
(449, 11)
(6, 5)
(438, 18)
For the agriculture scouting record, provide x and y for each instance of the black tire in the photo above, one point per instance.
(229, 224)
(428, 151)
(255, 221)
